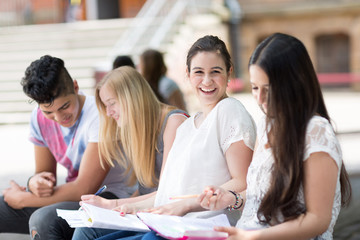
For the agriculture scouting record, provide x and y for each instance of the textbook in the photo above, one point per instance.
(171, 227)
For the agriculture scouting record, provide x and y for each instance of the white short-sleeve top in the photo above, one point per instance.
(320, 137)
(197, 157)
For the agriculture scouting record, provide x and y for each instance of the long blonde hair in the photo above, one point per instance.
(134, 144)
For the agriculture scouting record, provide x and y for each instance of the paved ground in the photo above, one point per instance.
(344, 108)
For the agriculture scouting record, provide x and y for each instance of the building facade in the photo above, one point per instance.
(330, 31)
(21, 12)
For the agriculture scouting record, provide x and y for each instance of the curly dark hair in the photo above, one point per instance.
(47, 79)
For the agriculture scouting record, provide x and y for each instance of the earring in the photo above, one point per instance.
(228, 80)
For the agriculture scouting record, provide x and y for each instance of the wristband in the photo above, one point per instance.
(27, 185)
(238, 204)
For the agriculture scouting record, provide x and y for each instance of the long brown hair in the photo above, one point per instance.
(153, 68)
(294, 98)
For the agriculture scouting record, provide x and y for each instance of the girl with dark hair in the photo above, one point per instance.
(296, 182)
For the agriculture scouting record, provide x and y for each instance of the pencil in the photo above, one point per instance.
(187, 196)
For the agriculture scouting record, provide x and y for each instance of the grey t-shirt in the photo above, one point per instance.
(159, 154)
(117, 182)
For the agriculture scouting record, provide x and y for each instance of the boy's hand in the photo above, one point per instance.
(42, 184)
(14, 195)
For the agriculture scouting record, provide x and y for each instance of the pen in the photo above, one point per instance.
(187, 196)
(101, 190)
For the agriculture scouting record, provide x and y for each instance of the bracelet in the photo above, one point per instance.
(236, 205)
(27, 185)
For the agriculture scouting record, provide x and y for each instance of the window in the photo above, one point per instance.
(332, 53)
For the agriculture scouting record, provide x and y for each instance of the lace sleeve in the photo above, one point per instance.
(320, 137)
(235, 124)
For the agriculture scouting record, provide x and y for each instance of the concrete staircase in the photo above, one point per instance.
(82, 45)
(87, 46)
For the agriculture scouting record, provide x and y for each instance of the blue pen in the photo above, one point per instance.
(100, 190)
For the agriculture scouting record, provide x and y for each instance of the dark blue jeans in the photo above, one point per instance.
(43, 220)
(48, 225)
(84, 233)
(14, 220)
(152, 236)
(128, 235)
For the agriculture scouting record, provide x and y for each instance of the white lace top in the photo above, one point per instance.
(197, 157)
(320, 137)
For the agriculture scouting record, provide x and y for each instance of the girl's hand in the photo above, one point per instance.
(127, 208)
(215, 198)
(98, 201)
(178, 208)
(236, 233)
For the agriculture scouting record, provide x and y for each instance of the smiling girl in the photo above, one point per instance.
(214, 146)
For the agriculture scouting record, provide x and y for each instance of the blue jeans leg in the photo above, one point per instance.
(14, 220)
(91, 233)
(152, 236)
(122, 235)
(45, 224)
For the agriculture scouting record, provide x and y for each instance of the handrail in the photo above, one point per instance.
(169, 20)
(167, 12)
(138, 26)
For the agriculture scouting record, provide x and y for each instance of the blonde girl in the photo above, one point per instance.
(136, 131)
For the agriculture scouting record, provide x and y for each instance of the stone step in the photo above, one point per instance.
(70, 43)
(18, 106)
(84, 46)
(16, 75)
(78, 68)
(75, 55)
(79, 31)
(15, 118)
(14, 86)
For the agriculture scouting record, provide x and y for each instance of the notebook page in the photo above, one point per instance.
(174, 227)
(105, 218)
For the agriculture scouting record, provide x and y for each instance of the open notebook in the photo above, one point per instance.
(174, 227)
(171, 227)
(92, 216)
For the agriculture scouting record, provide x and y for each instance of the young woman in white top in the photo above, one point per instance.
(214, 146)
(296, 182)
